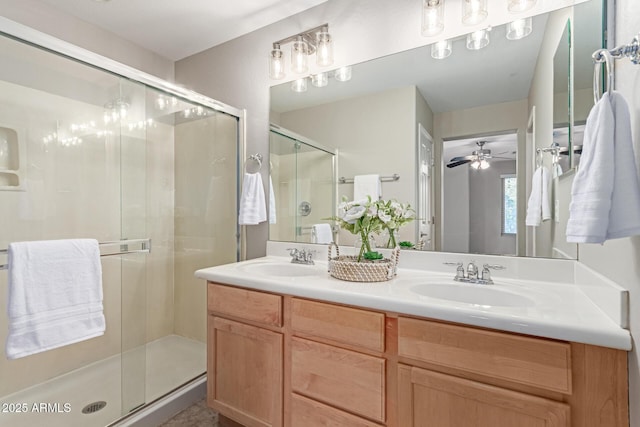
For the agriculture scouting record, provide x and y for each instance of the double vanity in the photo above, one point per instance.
(290, 346)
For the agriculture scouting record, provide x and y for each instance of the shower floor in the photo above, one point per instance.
(170, 362)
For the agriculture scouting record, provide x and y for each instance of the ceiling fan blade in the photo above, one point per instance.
(459, 158)
(453, 164)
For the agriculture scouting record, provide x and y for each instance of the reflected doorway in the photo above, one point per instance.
(479, 188)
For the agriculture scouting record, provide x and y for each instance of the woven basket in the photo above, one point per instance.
(347, 267)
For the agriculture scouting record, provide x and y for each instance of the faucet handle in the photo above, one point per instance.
(494, 267)
(292, 251)
(486, 271)
(459, 269)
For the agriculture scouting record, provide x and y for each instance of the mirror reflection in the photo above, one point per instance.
(410, 114)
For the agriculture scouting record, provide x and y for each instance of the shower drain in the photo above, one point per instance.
(94, 407)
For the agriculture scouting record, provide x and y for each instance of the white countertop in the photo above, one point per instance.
(555, 310)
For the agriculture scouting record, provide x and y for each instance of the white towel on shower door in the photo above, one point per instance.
(55, 295)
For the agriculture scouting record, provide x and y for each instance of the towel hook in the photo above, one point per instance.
(253, 163)
(600, 56)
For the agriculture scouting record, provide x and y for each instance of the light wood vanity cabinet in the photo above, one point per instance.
(277, 360)
(245, 355)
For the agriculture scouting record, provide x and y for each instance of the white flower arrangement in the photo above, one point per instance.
(366, 217)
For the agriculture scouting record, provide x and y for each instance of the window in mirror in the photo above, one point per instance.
(509, 204)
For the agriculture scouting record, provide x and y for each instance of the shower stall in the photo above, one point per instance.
(90, 148)
(303, 179)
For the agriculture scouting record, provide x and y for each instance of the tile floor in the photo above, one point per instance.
(198, 415)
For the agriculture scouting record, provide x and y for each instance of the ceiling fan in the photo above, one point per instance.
(478, 158)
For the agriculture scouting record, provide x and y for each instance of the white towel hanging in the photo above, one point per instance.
(538, 206)
(253, 209)
(605, 196)
(55, 295)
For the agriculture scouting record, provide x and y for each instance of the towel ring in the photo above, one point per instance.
(253, 163)
(600, 56)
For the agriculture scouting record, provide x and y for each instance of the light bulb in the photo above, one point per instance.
(474, 11)
(324, 50)
(519, 29)
(299, 54)
(475, 164)
(343, 74)
(320, 80)
(299, 85)
(484, 164)
(478, 39)
(432, 17)
(441, 49)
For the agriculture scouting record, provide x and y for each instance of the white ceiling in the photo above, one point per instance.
(176, 29)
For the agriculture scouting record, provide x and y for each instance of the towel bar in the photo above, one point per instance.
(145, 247)
(394, 177)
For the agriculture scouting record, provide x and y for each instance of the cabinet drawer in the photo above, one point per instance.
(531, 361)
(245, 304)
(309, 413)
(343, 324)
(342, 378)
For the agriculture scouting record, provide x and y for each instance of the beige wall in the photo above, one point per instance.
(373, 134)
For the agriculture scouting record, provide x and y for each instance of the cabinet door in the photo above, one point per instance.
(245, 373)
(433, 399)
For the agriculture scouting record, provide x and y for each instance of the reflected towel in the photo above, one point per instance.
(253, 209)
(605, 196)
(367, 185)
(55, 295)
(272, 203)
(538, 206)
(321, 233)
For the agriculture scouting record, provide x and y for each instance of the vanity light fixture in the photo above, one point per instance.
(432, 17)
(343, 74)
(474, 11)
(478, 39)
(517, 6)
(441, 49)
(316, 41)
(519, 28)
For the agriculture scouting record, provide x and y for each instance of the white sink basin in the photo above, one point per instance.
(282, 269)
(483, 295)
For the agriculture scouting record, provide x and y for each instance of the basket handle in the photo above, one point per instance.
(395, 257)
(331, 245)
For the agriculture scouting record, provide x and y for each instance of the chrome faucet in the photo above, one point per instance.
(301, 256)
(472, 271)
(471, 275)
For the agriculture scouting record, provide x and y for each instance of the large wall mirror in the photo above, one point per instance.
(460, 132)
